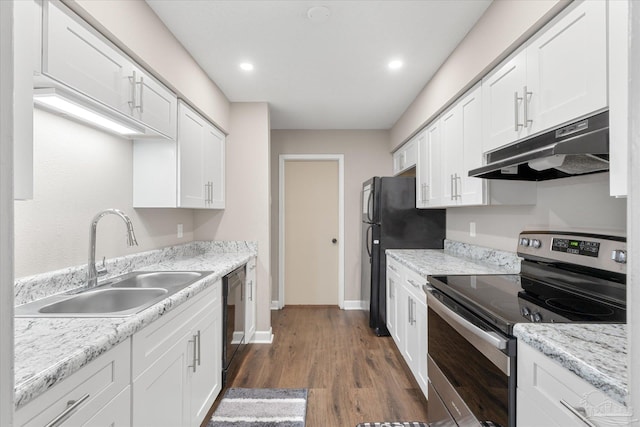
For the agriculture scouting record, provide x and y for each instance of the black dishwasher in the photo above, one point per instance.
(233, 319)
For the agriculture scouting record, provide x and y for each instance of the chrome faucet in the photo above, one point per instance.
(92, 272)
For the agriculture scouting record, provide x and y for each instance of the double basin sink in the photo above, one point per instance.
(119, 297)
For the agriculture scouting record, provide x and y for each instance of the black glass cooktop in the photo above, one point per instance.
(504, 300)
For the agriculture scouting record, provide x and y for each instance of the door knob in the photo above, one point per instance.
(334, 240)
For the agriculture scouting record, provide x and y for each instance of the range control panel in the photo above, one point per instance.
(589, 249)
(576, 247)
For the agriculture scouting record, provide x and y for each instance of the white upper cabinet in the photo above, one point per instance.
(405, 157)
(558, 76)
(429, 187)
(450, 147)
(187, 173)
(502, 98)
(81, 59)
(201, 161)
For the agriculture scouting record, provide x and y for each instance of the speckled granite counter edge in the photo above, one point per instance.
(507, 261)
(116, 330)
(579, 347)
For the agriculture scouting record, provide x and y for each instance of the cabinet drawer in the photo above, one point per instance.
(546, 385)
(413, 283)
(93, 386)
(153, 341)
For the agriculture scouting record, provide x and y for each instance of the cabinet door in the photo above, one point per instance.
(393, 281)
(452, 154)
(153, 104)
(205, 376)
(193, 187)
(471, 191)
(421, 337)
(250, 312)
(434, 153)
(161, 395)
(567, 67)
(214, 169)
(79, 58)
(502, 103)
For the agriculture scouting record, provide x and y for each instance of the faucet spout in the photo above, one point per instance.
(92, 272)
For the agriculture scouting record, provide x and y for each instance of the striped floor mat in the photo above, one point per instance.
(261, 407)
(394, 424)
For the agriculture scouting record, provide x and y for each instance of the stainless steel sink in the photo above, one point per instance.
(157, 279)
(118, 297)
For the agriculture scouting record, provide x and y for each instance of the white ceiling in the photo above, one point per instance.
(328, 75)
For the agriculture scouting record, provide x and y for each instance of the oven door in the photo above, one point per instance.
(470, 365)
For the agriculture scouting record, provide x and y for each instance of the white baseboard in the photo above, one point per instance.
(263, 337)
(275, 305)
(354, 305)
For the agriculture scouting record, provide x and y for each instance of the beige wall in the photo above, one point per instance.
(501, 29)
(246, 216)
(579, 202)
(136, 29)
(79, 171)
(366, 153)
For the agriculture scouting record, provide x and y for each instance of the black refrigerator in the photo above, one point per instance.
(390, 220)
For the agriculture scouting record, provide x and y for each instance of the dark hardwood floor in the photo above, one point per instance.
(352, 375)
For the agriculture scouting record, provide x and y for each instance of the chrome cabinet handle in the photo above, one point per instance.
(516, 99)
(132, 83)
(414, 312)
(578, 412)
(195, 352)
(414, 284)
(199, 346)
(72, 406)
(141, 105)
(458, 192)
(451, 185)
(251, 290)
(409, 310)
(392, 268)
(525, 105)
(391, 289)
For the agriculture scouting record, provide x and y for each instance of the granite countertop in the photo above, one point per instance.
(596, 353)
(435, 262)
(47, 350)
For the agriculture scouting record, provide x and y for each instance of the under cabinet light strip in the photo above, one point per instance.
(58, 101)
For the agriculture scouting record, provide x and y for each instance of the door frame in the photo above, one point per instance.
(283, 158)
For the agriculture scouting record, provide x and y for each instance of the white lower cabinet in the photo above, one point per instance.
(408, 309)
(550, 395)
(96, 395)
(177, 370)
(250, 310)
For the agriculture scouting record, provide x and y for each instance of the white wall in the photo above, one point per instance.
(502, 28)
(246, 216)
(578, 202)
(136, 29)
(366, 154)
(79, 171)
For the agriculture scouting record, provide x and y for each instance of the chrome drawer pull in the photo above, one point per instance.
(578, 412)
(414, 284)
(72, 406)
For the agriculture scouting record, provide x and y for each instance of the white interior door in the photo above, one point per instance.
(311, 203)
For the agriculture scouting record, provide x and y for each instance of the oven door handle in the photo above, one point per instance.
(465, 328)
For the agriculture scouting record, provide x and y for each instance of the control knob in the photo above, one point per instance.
(536, 317)
(619, 256)
(524, 241)
(535, 243)
(525, 312)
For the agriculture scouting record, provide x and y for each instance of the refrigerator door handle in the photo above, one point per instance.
(368, 240)
(370, 207)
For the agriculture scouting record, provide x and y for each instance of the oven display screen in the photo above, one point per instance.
(577, 247)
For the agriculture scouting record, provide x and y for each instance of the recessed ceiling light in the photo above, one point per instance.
(318, 13)
(395, 64)
(246, 66)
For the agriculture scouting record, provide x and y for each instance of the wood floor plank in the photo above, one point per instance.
(352, 375)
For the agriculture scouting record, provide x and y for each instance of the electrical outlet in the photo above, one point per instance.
(472, 229)
(180, 234)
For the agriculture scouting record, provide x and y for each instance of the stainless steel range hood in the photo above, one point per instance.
(576, 149)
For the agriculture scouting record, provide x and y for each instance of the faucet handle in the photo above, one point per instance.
(102, 270)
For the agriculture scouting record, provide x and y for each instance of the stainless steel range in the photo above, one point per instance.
(565, 277)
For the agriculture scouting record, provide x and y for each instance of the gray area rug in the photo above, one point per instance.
(393, 424)
(261, 407)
